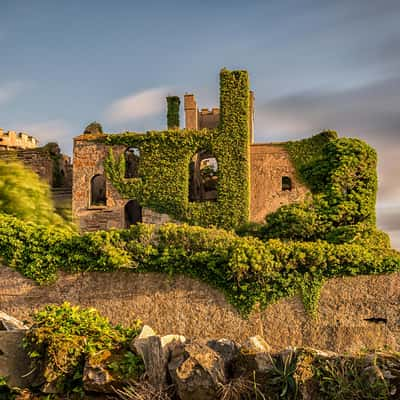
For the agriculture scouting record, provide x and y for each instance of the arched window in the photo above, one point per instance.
(98, 191)
(203, 177)
(132, 157)
(133, 213)
(286, 183)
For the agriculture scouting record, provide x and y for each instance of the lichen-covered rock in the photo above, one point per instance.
(228, 351)
(8, 323)
(253, 358)
(155, 352)
(14, 362)
(96, 378)
(197, 371)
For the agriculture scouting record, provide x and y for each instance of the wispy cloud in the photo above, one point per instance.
(369, 112)
(136, 106)
(49, 131)
(10, 90)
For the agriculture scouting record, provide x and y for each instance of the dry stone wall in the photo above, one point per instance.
(355, 313)
(38, 161)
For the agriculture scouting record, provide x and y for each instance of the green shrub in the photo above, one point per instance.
(63, 336)
(25, 196)
(248, 270)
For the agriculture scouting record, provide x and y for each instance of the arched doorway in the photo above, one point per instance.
(133, 213)
(203, 177)
(98, 191)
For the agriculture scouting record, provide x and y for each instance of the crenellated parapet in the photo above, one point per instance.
(12, 140)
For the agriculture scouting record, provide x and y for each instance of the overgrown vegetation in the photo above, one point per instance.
(173, 104)
(341, 174)
(246, 269)
(163, 183)
(63, 337)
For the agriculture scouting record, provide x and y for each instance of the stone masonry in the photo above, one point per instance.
(273, 180)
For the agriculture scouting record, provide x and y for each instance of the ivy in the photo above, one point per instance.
(341, 175)
(173, 103)
(163, 183)
(248, 270)
(62, 337)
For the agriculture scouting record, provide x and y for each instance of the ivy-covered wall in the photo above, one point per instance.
(163, 183)
(340, 174)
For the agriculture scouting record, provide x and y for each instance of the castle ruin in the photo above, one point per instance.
(97, 204)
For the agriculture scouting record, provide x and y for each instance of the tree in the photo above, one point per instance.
(24, 195)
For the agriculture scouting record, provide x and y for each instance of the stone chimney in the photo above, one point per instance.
(191, 113)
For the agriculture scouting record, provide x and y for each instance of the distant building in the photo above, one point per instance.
(11, 140)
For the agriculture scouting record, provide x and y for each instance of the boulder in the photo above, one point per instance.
(96, 377)
(155, 352)
(197, 371)
(8, 323)
(14, 361)
(253, 358)
(228, 351)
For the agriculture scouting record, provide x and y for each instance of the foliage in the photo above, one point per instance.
(349, 378)
(63, 336)
(130, 365)
(281, 380)
(341, 174)
(94, 128)
(25, 196)
(173, 103)
(6, 393)
(248, 270)
(165, 157)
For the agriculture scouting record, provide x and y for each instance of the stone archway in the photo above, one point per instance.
(133, 213)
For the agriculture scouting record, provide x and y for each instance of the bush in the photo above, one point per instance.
(25, 196)
(248, 270)
(62, 337)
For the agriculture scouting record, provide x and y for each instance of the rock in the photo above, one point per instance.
(96, 377)
(14, 362)
(197, 371)
(256, 344)
(228, 350)
(155, 352)
(170, 341)
(8, 323)
(253, 358)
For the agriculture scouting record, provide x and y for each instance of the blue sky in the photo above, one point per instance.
(313, 65)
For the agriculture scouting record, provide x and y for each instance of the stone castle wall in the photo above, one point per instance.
(41, 162)
(88, 162)
(37, 160)
(355, 312)
(269, 163)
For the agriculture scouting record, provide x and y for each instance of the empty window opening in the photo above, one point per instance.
(98, 191)
(203, 177)
(376, 320)
(133, 213)
(286, 183)
(132, 158)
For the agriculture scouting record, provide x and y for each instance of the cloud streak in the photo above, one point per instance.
(10, 90)
(137, 106)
